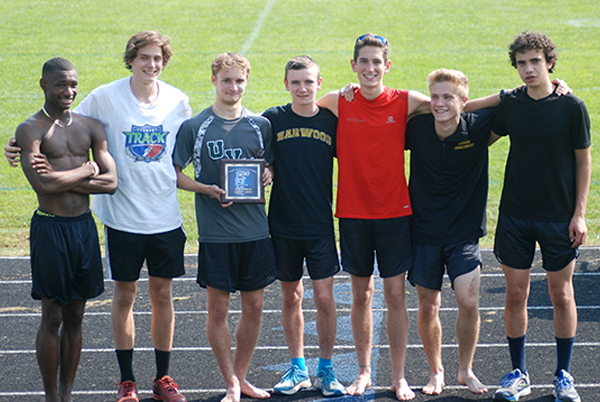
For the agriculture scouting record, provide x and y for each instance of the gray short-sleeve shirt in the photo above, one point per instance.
(204, 140)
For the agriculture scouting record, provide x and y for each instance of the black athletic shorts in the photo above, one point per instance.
(515, 243)
(65, 257)
(388, 239)
(430, 262)
(247, 266)
(163, 253)
(320, 255)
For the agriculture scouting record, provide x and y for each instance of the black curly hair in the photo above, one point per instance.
(528, 40)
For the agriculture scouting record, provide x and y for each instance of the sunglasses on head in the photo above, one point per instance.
(379, 38)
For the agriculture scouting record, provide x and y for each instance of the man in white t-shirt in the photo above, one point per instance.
(141, 116)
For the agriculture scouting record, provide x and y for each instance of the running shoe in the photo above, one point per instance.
(564, 390)
(513, 386)
(166, 390)
(328, 384)
(128, 392)
(293, 381)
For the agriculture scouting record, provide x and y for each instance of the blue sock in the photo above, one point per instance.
(324, 364)
(299, 362)
(564, 352)
(517, 353)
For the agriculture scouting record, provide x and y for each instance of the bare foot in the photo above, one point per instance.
(233, 393)
(254, 392)
(470, 380)
(402, 390)
(360, 384)
(435, 384)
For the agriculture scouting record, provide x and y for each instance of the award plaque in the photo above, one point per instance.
(242, 180)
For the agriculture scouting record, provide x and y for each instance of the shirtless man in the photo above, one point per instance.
(65, 254)
(142, 219)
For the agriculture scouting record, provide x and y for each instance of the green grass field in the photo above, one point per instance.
(424, 35)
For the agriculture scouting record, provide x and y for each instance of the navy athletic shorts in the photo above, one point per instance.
(246, 266)
(515, 243)
(430, 262)
(363, 239)
(65, 257)
(320, 254)
(163, 253)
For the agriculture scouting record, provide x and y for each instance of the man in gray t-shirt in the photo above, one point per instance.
(235, 249)
(204, 140)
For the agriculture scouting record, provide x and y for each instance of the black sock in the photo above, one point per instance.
(517, 352)
(564, 352)
(162, 363)
(125, 359)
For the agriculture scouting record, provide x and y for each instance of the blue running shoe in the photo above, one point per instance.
(328, 384)
(293, 381)
(513, 386)
(564, 390)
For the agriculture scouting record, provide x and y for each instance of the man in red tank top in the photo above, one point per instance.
(373, 206)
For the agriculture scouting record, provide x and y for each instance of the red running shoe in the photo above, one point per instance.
(166, 390)
(128, 392)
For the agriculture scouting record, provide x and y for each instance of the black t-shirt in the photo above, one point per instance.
(539, 180)
(449, 179)
(301, 197)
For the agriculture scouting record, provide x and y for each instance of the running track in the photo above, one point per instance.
(195, 370)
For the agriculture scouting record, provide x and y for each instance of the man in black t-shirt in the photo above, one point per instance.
(448, 189)
(546, 185)
(301, 223)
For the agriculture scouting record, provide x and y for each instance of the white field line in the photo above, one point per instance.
(257, 27)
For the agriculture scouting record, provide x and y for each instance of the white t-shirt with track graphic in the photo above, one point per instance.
(141, 139)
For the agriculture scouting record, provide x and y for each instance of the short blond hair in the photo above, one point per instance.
(458, 78)
(230, 60)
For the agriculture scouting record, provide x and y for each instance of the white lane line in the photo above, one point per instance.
(28, 281)
(307, 278)
(222, 390)
(257, 27)
(276, 311)
(342, 348)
